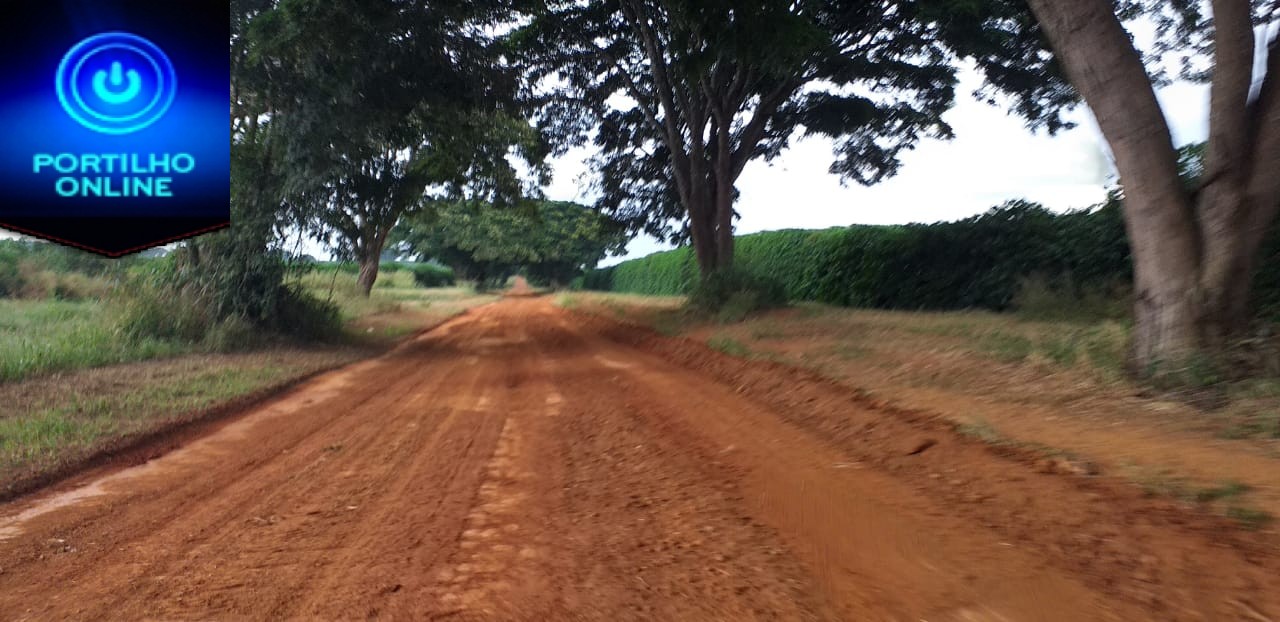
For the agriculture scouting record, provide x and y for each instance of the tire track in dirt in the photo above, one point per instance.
(872, 548)
(677, 543)
(502, 568)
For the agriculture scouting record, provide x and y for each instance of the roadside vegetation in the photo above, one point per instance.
(94, 353)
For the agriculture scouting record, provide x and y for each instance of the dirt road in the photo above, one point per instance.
(525, 463)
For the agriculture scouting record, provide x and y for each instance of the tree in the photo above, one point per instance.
(551, 243)
(679, 95)
(375, 103)
(1194, 249)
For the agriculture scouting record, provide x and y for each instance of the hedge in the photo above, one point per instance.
(977, 262)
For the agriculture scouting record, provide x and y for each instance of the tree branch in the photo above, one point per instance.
(1229, 93)
(754, 130)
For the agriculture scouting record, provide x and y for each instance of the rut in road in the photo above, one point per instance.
(517, 463)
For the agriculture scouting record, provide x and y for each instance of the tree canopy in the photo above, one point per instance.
(678, 96)
(371, 105)
(551, 243)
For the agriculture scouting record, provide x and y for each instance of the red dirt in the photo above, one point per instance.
(525, 463)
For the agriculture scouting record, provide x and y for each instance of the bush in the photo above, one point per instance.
(10, 279)
(736, 292)
(43, 270)
(231, 334)
(979, 262)
(306, 316)
(431, 275)
(600, 280)
(1040, 298)
(150, 310)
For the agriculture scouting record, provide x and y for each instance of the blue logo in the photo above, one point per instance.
(116, 83)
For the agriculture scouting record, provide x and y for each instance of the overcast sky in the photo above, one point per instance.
(993, 158)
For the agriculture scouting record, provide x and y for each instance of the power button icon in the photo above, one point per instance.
(116, 83)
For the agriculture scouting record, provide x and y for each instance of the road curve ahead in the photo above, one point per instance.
(518, 464)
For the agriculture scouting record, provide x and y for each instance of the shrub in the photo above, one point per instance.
(736, 292)
(977, 262)
(149, 310)
(305, 316)
(600, 280)
(431, 275)
(10, 279)
(231, 334)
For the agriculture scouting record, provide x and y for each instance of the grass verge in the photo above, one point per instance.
(56, 424)
(43, 336)
(52, 426)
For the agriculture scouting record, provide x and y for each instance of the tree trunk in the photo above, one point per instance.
(370, 256)
(1222, 205)
(722, 168)
(710, 210)
(1102, 63)
(368, 274)
(1193, 260)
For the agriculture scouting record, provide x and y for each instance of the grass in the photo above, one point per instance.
(39, 337)
(47, 422)
(53, 422)
(341, 289)
(1007, 348)
(395, 308)
(983, 431)
(43, 336)
(728, 345)
(1251, 518)
(1267, 427)
(1159, 482)
(85, 419)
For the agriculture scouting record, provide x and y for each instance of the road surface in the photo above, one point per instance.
(525, 463)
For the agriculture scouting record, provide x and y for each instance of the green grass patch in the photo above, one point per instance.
(728, 345)
(767, 330)
(1256, 425)
(67, 425)
(1062, 351)
(1251, 518)
(567, 301)
(1225, 490)
(38, 337)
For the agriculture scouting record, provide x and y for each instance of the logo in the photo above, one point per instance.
(116, 83)
(116, 121)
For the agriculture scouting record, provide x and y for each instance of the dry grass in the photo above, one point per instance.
(395, 307)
